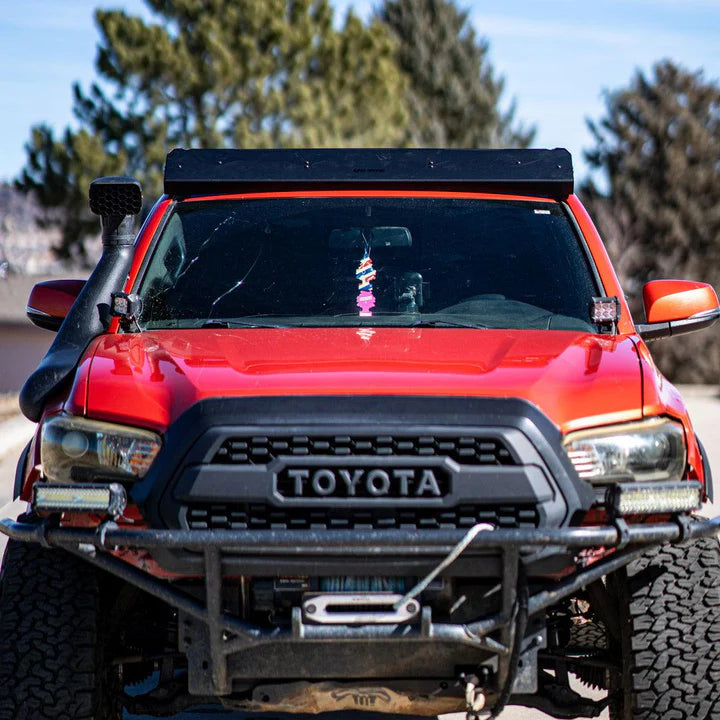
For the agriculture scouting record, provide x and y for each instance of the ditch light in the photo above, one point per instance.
(101, 499)
(649, 498)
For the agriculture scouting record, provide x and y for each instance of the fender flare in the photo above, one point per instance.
(707, 472)
(20, 471)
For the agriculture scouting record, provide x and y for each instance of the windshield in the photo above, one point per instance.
(355, 261)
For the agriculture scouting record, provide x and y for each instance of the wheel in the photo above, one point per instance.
(51, 639)
(669, 634)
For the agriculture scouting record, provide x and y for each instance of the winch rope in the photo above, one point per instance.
(452, 556)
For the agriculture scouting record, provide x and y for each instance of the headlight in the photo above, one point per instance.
(77, 449)
(651, 450)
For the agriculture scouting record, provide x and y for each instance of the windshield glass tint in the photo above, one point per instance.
(350, 261)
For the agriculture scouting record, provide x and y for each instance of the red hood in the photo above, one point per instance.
(150, 378)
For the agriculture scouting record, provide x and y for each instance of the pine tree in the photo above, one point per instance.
(215, 73)
(659, 148)
(452, 91)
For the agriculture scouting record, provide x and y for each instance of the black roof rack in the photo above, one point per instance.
(547, 173)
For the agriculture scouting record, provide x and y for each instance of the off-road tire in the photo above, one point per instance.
(51, 648)
(592, 638)
(669, 634)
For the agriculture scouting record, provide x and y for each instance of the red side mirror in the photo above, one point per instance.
(674, 307)
(50, 302)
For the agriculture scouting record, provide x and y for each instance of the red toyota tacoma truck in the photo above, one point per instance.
(358, 430)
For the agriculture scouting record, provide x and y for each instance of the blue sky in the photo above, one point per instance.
(557, 57)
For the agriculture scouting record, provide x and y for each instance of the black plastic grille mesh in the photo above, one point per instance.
(249, 516)
(464, 450)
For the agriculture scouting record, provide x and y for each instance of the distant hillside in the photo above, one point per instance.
(25, 246)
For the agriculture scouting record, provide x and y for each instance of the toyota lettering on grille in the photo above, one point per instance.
(354, 482)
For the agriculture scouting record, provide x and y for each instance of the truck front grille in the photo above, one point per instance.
(465, 450)
(249, 516)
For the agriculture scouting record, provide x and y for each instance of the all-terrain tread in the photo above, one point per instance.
(49, 610)
(672, 634)
(588, 635)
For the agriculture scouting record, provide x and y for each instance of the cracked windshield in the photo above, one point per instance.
(352, 262)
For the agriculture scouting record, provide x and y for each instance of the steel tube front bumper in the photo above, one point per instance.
(393, 543)
(229, 635)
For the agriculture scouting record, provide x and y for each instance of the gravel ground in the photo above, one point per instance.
(703, 401)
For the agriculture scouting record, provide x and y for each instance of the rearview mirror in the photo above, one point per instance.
(382, 236)
(50, 302)
(676, 307)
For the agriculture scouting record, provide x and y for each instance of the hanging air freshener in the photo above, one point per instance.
(365, 274)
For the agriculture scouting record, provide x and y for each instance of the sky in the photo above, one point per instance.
(557, 58)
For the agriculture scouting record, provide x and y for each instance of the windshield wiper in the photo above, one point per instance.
(242, 324)
(250, 323)
(449, 323)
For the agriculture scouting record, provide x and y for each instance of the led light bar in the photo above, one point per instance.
(102, 499)
(647, 498)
